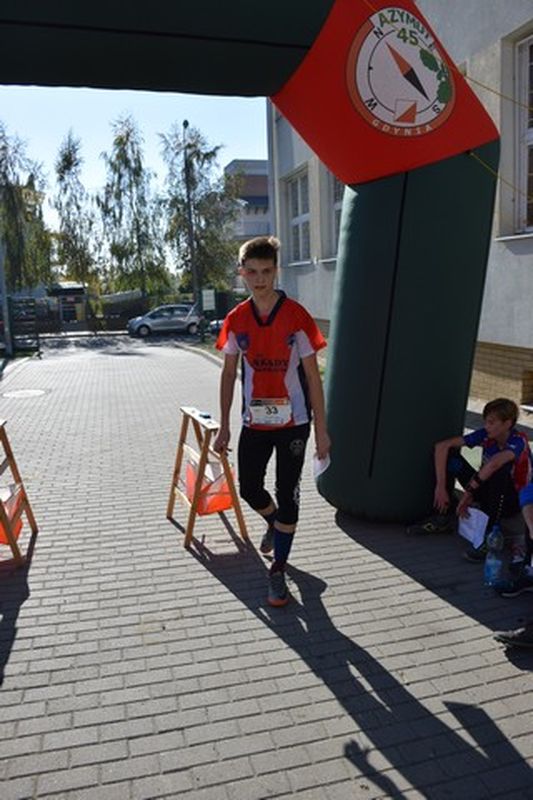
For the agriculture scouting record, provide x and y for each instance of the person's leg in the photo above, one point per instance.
(457, 469)
(523, 582)
(498, 498)
(515, 537)
(527, 512)
(290, 456)
(526, 503)
(254, 451)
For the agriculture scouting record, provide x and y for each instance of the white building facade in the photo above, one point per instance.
(492, 44)
(254, 217)
(306, 200)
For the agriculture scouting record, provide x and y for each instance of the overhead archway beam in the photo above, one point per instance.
(206, 47)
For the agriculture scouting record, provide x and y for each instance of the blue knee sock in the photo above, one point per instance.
(282, 548)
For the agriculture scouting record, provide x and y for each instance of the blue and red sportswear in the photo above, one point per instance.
(517, 443)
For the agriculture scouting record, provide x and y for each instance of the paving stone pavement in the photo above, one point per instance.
(134, 669)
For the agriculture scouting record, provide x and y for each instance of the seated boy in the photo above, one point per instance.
(505, 470)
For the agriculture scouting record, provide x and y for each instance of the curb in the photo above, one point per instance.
(13, 365)
(45, 337)
(209, 356)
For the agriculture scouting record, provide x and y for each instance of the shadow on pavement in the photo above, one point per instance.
(114, 344)
(416, 743)
(437, 563)
(97, 342)
(14, 591)
(119, 339)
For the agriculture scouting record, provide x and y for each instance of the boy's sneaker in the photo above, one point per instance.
(278, 594)
(267, 542)
(475, 554)
(438, 523)
(520, 637)
(514, 587)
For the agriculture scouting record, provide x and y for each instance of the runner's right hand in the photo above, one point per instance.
(222, 440)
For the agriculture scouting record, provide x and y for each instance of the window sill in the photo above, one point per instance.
(515, 237)
(312, 262)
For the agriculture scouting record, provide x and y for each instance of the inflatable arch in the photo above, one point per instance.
(370, 88)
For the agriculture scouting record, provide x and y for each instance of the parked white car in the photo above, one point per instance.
(165, 319)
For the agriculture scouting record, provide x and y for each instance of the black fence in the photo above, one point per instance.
(32, 318)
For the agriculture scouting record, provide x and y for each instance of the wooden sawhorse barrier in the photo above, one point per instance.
(204, 427)
(13, 502)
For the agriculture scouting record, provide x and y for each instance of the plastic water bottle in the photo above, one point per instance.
(493, 560)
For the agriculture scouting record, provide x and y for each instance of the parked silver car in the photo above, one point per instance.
(165, 319)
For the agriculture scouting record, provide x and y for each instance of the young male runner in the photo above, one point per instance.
(277, 341)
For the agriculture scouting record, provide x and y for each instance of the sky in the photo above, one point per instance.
(42, 116)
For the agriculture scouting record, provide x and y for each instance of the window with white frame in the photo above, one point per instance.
(298, 208)
(525, 135)
(337, 193)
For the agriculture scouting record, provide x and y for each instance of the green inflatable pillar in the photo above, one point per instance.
(409, 285)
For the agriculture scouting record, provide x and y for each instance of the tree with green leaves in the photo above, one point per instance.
(76, 240)
(26, 238)
(201, 207)
(130, 216)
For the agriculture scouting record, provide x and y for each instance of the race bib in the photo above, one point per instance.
(270, 411)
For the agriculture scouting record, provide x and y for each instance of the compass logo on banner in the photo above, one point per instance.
(397, 78)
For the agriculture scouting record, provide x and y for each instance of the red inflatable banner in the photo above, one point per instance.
(377, 94)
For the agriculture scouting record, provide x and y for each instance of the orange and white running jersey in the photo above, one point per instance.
(274, 386)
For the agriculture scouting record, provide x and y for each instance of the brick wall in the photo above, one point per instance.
(501, 371)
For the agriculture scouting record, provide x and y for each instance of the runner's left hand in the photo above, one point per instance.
(323, 444)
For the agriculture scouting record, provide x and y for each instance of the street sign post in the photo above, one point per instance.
(208, 299)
